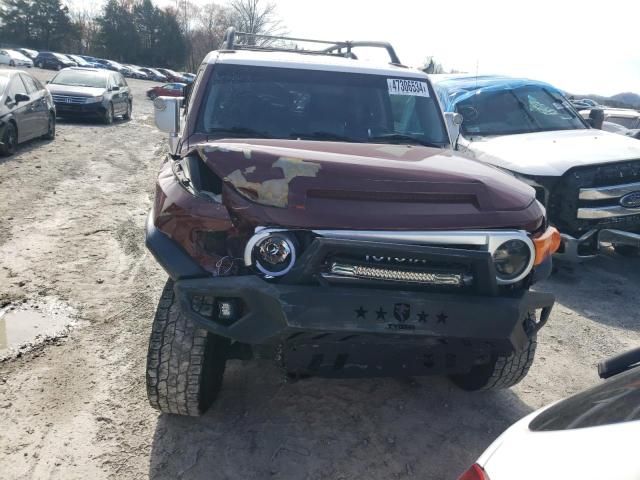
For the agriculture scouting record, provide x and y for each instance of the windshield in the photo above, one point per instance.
(80, 79)
(78, 60)
(519, 110)
(615, 401)
(262, 102)
(59, 56)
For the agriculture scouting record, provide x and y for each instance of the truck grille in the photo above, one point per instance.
(590, 197)
(68, 99)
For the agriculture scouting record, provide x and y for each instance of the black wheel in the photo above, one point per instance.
(9, 140)
(12, 63)
(127, 114)
(185, 364)
(626, 250)
(153, 95)
(503, 371)
(51, 128)
(108, 114)
(58, 67)
(39, 65)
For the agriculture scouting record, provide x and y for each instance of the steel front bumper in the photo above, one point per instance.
(598, 238)
(311, 319)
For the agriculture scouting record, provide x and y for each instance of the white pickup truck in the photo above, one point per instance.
(588, 179)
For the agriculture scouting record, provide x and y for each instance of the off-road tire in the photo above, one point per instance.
(9, 140)
(626, 250)
(503, 371)
(185, 364)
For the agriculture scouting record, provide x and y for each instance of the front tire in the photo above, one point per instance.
(9, 140)
(108, 114)
(51, 129)
(40, 65)
(503, 371)
(127, 114)
(185, 363)
(12, 63)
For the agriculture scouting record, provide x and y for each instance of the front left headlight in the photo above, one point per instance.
(95, 99)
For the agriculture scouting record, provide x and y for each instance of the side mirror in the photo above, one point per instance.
(596, 118)
(454, 120)
(167, 117)
(21, 97)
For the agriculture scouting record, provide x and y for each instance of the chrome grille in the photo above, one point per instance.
(69, 99)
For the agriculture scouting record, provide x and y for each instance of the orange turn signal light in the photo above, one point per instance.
(546, 244)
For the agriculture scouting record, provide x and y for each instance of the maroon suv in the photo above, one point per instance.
(312, 212)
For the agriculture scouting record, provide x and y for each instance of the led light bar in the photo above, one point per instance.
(399, 275)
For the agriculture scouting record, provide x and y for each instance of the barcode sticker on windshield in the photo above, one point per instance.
(415, 88)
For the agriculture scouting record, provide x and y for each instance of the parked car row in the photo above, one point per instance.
(24, 57)
(28, 110)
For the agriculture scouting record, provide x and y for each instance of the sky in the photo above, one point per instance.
(579, 46)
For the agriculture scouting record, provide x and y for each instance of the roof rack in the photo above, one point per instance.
(339, 49)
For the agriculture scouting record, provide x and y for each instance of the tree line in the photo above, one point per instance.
(134, 31)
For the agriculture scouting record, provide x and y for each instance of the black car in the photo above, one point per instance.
(91, 92)
(26, 110)
(53, 61)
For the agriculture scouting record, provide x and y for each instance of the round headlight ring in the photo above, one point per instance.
(511, 259)
(275, 255)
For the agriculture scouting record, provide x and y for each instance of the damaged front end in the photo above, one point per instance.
(349, 260)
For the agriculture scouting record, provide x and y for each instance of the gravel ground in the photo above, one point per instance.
(72, 214)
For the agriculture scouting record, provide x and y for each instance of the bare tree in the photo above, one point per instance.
(256, 16)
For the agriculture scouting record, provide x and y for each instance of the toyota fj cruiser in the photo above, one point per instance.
(312, 212)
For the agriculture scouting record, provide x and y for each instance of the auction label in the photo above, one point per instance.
(415, 88)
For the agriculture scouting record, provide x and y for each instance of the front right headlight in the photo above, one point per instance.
(511, 259)
(95, 99)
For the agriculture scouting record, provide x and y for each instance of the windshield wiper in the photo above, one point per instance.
(324, 136)
(400, 138)
(241, 132)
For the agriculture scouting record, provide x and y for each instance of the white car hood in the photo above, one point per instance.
(551, 153)
(77, 91)
(596, 453)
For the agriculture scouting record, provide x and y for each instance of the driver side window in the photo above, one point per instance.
(15, 86)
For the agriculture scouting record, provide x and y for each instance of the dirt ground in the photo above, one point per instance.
(72, 213)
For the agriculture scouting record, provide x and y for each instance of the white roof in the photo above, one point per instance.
(310, 62)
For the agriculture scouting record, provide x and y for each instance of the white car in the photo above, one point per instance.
(588, 179)
(14, 59)
(593, 435)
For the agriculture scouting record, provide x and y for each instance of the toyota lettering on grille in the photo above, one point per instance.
(631, 200)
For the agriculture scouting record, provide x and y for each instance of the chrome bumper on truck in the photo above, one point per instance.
(598, 238)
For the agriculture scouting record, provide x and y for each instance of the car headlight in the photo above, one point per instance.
(511, 259)
(275, 255)
(95, 99)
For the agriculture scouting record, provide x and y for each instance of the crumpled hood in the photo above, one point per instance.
(553, 153)
(308, 184)
(76, 91)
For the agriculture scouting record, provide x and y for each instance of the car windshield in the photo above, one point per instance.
(79, 60)
(79, 78)
(518, 110)
(59, 56)
(615, 401)
(283, 103)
